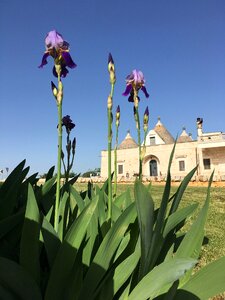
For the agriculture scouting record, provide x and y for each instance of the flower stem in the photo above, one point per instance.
(115, 163)
(139, 144)
(64, 166)
(58, 181)
(67, 173)
(109, 154)
(137, 119)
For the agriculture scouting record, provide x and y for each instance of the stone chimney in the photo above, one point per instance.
(199, 126)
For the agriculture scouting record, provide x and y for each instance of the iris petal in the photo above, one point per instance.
(128, 90)
(68, 60)
(143, 88)
(65, 45)
(131, 98)
(44, 60)
(64, 72)
(54, 40)
(130, 77)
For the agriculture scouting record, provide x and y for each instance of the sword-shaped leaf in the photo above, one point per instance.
(103, 258)
(206, 283)
(66, 255)
(145, 212)
(17, 282)
(29, 245)
(159, 280)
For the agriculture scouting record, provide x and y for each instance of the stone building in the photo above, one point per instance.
(207, 151)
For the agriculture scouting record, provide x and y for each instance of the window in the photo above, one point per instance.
(181, 165)
(152, 140)
(206, 163)
(120, 169)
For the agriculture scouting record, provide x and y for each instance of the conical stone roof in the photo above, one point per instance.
(163, 133)
(128, 142)
(184, 137)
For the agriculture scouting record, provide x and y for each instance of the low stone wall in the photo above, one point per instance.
(195, 181)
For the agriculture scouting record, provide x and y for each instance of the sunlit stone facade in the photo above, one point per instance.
(207, 152)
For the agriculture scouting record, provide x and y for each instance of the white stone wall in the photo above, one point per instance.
(191, 153)
(126, 157)
(217, 162)
(184, 152)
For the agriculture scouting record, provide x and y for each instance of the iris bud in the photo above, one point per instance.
(146, 118)
(73, 146)
(110, 102)
(111, 69)
(118, 116)
(54, 89)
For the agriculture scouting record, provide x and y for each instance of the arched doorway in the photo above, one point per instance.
(153, 168)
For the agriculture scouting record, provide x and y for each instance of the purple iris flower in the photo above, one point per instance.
(59, 50)
(68, 123)
(135, 81)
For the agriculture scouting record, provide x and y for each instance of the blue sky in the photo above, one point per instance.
(179, 45)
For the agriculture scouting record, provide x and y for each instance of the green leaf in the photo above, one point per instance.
(50, 173)
(51, 240)
(104, 188)
(46, 187)
(76, 196)
(180, 190)
(145, 212)
(92, 233)
(103, 258)
(32, 179)
(177, 217)
(74, 179)
(157, 240)
(11, 222)
(10, 180)
(125, 293)
(63, 211)
(116, 212)
(17, 282)
(29, 245)
(192, 241)
(123, 245)
(6, 294)
(101, 209)
(66, 255)
(124, 270)
(160, 278)
(191, 244)
(206, 283)
(10, 189)
(75, 280)
(123, 200)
